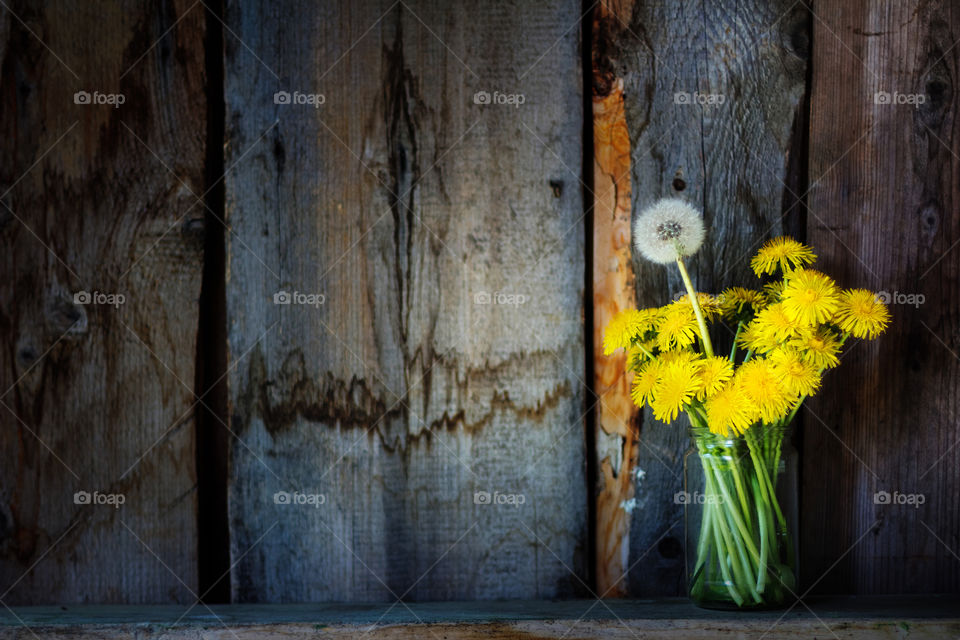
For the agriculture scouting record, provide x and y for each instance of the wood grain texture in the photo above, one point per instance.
(847, 617)
(883, 215)
(790, 629)
(98, 398)
(417, 382)
(613, 291)
(712, 91)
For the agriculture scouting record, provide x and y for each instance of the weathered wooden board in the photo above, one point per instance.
(883, 215)
(444, 229)
(711, 91)
(867, 618)
(99, 198)
(613, 291)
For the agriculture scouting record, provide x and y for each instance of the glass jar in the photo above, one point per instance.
(740, 497)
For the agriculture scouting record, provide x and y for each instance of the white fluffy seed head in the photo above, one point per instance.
(668, 229)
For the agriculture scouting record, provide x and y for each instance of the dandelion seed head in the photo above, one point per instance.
(668, 229)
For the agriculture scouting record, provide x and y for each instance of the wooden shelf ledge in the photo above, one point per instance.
(928, 616)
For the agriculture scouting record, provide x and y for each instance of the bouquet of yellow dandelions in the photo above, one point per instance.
(787, 333)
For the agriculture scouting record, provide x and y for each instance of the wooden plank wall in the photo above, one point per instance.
(100, 199)
(884, 213)
(446, 358)
(442, 236)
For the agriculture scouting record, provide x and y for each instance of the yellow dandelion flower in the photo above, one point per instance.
(615, 335)
(810, 297)
(675, 387)
(773, 291)
(783, 253)
(682, 356)
(644, 381)
(710, 305)
(800, 377)
(677, 327)
(627, 326)
(712, 374)
(755, 339)
(818, 347)
(775, 325)
(730, 410)
(862, 314)
(764, 389)
(735, 302)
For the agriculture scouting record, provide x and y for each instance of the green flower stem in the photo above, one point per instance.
(750, 562)
(735, 519)
(741, 493)
(775, 467)
(764, 539)
(766, 498)
(642, 348)
(699, 418)
(721, 560)
(768, 491)
(789, 418)
(695, 301)
(733, 349)
(744, 553)
(706, 525)
(726, 552)
(738, 545)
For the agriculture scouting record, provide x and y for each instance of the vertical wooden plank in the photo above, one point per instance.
(712, 91)
(99, 198)
(883, 214)
(613, 291)
(444, 230)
